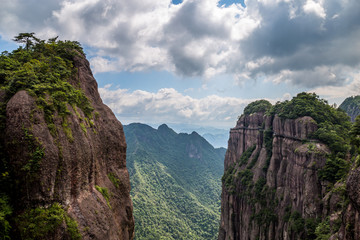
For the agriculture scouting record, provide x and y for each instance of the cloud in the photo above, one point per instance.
(168, 105)
(315, 8)
(304, 43)
(301, 42)
(341, 92)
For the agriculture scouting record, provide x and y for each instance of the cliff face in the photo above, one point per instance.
(77, 161)
(271, 184)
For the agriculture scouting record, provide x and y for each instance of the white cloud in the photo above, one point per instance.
(312, 7)
(341, 92)
(200, 38)
(100, 64)
(169, 106)
(312, 77)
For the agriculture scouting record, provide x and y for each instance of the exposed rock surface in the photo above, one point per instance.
(279, 183)
(71, 167)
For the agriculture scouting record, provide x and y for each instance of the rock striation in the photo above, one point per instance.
(271, 183)
(82, 162)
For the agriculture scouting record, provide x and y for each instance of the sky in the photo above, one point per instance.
(201, 62)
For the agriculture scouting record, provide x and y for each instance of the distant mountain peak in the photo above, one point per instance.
(164, 127)
(195, 134)
(351, 106)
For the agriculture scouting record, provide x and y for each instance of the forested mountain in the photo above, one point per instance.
(351, 106)
(176, 183)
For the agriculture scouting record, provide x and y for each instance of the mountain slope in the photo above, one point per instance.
(175, 183)
(351, 106)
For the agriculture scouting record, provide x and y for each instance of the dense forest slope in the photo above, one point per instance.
(176, 183)
(63, 152)
(351, 106)
(292, 172)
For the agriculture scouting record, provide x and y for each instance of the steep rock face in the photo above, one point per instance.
(264, 194)
(77, 156)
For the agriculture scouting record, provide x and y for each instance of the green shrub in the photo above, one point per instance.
(72, 228)
(246, 155)
(268, 140)
(245, 176)
(39, 223)
(323, 230)
(228, 178)
(105, 192)
(335, 169)
(114, 179)
(36, 154)
(5, 212)
(254, 160)
(297, 222)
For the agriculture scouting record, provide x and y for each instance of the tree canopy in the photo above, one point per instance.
(257, 106)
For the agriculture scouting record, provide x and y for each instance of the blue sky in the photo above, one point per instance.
(201, 62)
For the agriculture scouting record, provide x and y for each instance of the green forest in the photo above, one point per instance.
(175, 183)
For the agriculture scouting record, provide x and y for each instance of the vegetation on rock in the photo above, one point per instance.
(5, 213)
(40, 223)
(44, 70)
(333, 129)
(257, 106)
(105, 192)
(249, 186)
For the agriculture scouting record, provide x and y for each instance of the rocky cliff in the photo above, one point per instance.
(67, 165)
(274, 185)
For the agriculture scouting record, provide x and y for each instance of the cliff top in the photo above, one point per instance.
(333, 125)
